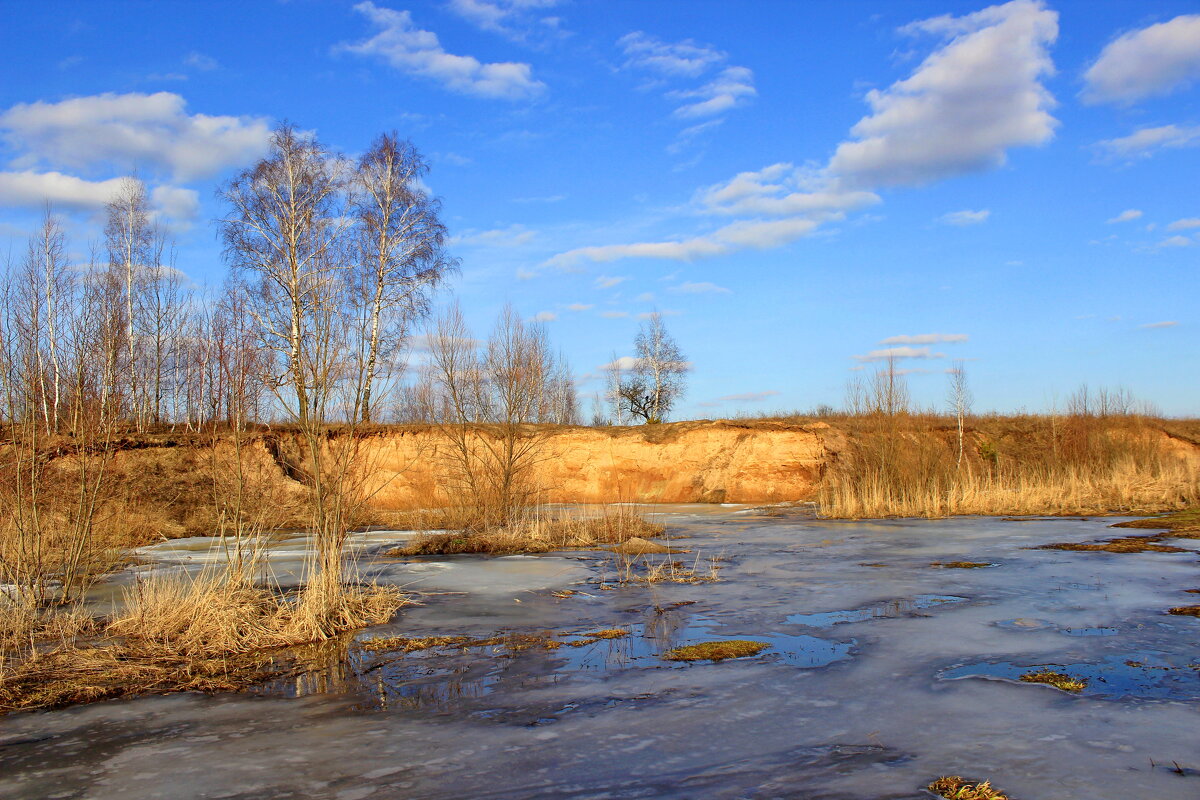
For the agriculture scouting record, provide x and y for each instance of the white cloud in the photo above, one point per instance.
(1150, 325)
(32, 189)
(965, 105)
(418, 52)
(781, 190)
(580, 307)
(614, 314)
(1145, 141)
(128, 131)
(1184, 224)
(1176, 241)
(666, 61)
(609, 281)
(1149, 61)
(927, 338)
(623, 363)
(515, 19)
(899, 353)
(736, 236)
(200, 61)
(729, 88)
(180, 204)
(645, 297)
(703, 287)
(965, 217)
(679, 59)
(1128, 215)
(545, 316)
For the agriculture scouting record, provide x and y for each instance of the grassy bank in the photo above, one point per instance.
(912, 465)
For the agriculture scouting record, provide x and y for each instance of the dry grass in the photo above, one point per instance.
(716, 651)
(953, 787)
(1181, 522)
(1058, 680)
(538, 532)
(214, 632)
(961, 564)
(1185, 611)
(907, 465)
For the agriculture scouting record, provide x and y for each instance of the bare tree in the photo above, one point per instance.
(657, 379)
(400, 253)
(888, 392)
(958, 396)
(614, 378)
(130, 240)
(285, 233)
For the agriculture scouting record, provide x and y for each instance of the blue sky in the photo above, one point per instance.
(800, 187)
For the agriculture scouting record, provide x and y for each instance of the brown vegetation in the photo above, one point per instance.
(716, 651)
(1056, 679)
(1122, 544)
(953, 787)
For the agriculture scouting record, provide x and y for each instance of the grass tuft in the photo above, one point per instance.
(953, 787)
(961, 564)
(1185, 611)
(1056, 679)
(716, 651)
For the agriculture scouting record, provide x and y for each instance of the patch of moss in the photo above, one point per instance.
(1056, 679)
(406, 644)
(953, 787)
(716, 651)
(1123, 544)
(961, 564)
(1185, 611)
(596, 636)
(1180, 521)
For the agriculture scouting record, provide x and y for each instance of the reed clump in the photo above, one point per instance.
(903, 464)
(716, 651)
(536, 531)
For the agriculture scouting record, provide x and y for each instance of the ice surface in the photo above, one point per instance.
(869, 706)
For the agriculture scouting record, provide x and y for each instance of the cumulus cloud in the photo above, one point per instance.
(580, 307)
(1128, 215)
(702, 287)
(614, 314)
(545, 316)
(200, 61)
(1151, 325)
(1184, 224)
(418, 52)
(965, 105)
(127, 131)
(1150, 61)
(965, 217)
(31, 189)
(926, 338)
(1176, 241)
(899, 353)
(1144, 142)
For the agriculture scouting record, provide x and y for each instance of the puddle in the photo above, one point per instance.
(904, 607)
(1134, 676)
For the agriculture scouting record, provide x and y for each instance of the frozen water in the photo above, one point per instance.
(882, 674)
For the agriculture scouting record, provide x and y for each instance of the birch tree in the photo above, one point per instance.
(658, 379)
(130, 241)
(400, 253)
(958, 395)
